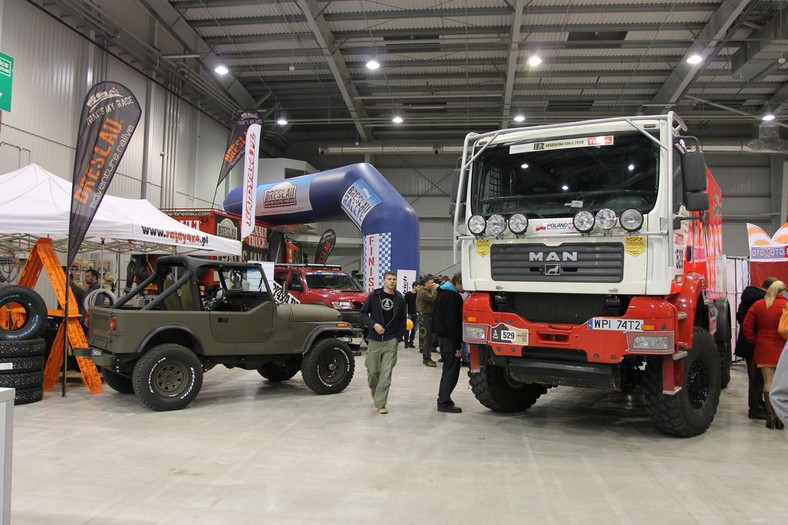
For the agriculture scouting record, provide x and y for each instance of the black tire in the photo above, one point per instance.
(35, 312)
(495, 389)
(167, 377)
(691, 410)
(26, 396)
(118, 382)
(16, 365)
(23, 380)
(328, 366)
(276, 372)
(724, 351)
(27, 348)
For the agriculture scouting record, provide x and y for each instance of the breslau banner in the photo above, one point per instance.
(110, 114)
(236, 146)
(324, 247)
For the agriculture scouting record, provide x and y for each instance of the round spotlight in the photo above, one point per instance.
(694, 59)
(768, 117)
(606, 218)
(397, 119)
(583, 221)
(519, 118)
(518, 223)
(534, 60)
(281, 121)
(631, 219)
(477, 224)
(496, 224)
(221, 69)
(373, 64)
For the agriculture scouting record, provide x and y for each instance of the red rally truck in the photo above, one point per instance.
(594, 254)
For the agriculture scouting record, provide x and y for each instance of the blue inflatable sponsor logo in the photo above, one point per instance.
(358, 201)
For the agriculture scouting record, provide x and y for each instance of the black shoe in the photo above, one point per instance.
(430, 363)
(757, 414)
(450, 409)
(465, 363)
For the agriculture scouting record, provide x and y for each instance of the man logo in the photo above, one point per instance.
(552, 269)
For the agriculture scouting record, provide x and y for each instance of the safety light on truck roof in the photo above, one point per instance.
(518, 223)
(477, 225)
(606, 218)
(496, 224)
(583, 221)
(631, 219)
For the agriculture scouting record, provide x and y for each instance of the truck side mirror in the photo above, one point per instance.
(698, 201)
(693, 167)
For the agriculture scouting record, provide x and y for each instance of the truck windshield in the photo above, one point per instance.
(560, 176)
(332, 281)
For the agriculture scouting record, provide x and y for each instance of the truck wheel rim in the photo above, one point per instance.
(332, 367)
(697, 385)
(169, 379)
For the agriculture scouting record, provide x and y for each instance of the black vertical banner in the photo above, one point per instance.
(109, 117)
(237, 143)
(324, 247)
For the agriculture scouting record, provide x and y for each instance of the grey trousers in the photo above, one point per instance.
(381, 358)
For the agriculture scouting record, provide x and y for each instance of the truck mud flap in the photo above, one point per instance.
(588, 375)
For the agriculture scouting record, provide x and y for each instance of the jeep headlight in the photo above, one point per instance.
(477, 225)
(341, 305)
(631, 219)
(496, 224)
(606, 218)
(518, 223)
(583, 221)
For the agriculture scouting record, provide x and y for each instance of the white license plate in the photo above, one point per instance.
(615, 324)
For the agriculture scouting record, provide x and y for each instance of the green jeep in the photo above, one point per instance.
(209, 313)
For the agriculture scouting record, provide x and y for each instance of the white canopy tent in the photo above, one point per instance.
(35, 203)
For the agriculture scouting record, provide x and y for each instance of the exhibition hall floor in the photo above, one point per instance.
(251, 452)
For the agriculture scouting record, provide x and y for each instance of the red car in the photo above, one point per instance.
(322, 284)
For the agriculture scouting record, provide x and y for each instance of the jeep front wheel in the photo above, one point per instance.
(276, 372)
(167, 377)
(690, 411)
(495, 389)
(328, 367)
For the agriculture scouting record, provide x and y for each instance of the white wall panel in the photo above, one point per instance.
(211, 142)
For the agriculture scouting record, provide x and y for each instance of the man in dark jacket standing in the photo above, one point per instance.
(425, 303)
(745, 350)
(410, 300)
(384, 312)
(447, 325)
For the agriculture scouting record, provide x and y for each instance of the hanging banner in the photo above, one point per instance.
(110, 114)
(405, 280)
(767, 249)
(324, 247)
(237, 143)
(250, 180)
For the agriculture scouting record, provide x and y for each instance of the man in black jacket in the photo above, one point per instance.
(447, 325)
(384, 312)
(413, 315)
(745, 350)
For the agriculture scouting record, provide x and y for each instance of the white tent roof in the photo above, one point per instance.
(36, 203)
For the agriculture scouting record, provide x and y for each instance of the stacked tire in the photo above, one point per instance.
(22, 352)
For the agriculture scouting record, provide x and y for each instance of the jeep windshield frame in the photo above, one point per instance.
(557, 177)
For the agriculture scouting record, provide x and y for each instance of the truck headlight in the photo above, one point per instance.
(583, 221)
(606, 218)
(518, 223)
(631, 219)
(474, 333)
(341, 305)
(496, 224)
(477, 225)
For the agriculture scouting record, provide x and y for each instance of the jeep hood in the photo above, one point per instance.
(308, 312)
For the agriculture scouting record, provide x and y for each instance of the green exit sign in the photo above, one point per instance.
(6, 77)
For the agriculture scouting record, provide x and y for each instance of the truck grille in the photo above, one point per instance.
(561, 308)
(602, 262)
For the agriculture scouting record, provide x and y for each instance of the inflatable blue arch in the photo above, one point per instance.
(388, 223)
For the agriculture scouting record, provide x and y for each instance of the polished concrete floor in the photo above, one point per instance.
(251, 452)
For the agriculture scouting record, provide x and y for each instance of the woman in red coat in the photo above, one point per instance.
(760, 328)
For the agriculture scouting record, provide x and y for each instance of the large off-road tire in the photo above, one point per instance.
(328, 366)
(35, 311)
(691, 410)
(31, 347)
(724, 351)
(26, 396)
(276, 372)
(16, 365)
(118, 382)
(23, 379)
(167, 377)
(496, 390)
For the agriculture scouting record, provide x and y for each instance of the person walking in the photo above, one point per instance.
(760, 328)
(447, 325)
(384, 312)
(413, 315)
(744, 349)
(425, 302)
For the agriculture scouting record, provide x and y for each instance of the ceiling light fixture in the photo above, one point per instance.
(519, 117)
(694, 59)
(282, 121)
(221, 69)
(373, 64)
(768, 117)
(534, 60)
(397, 119)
